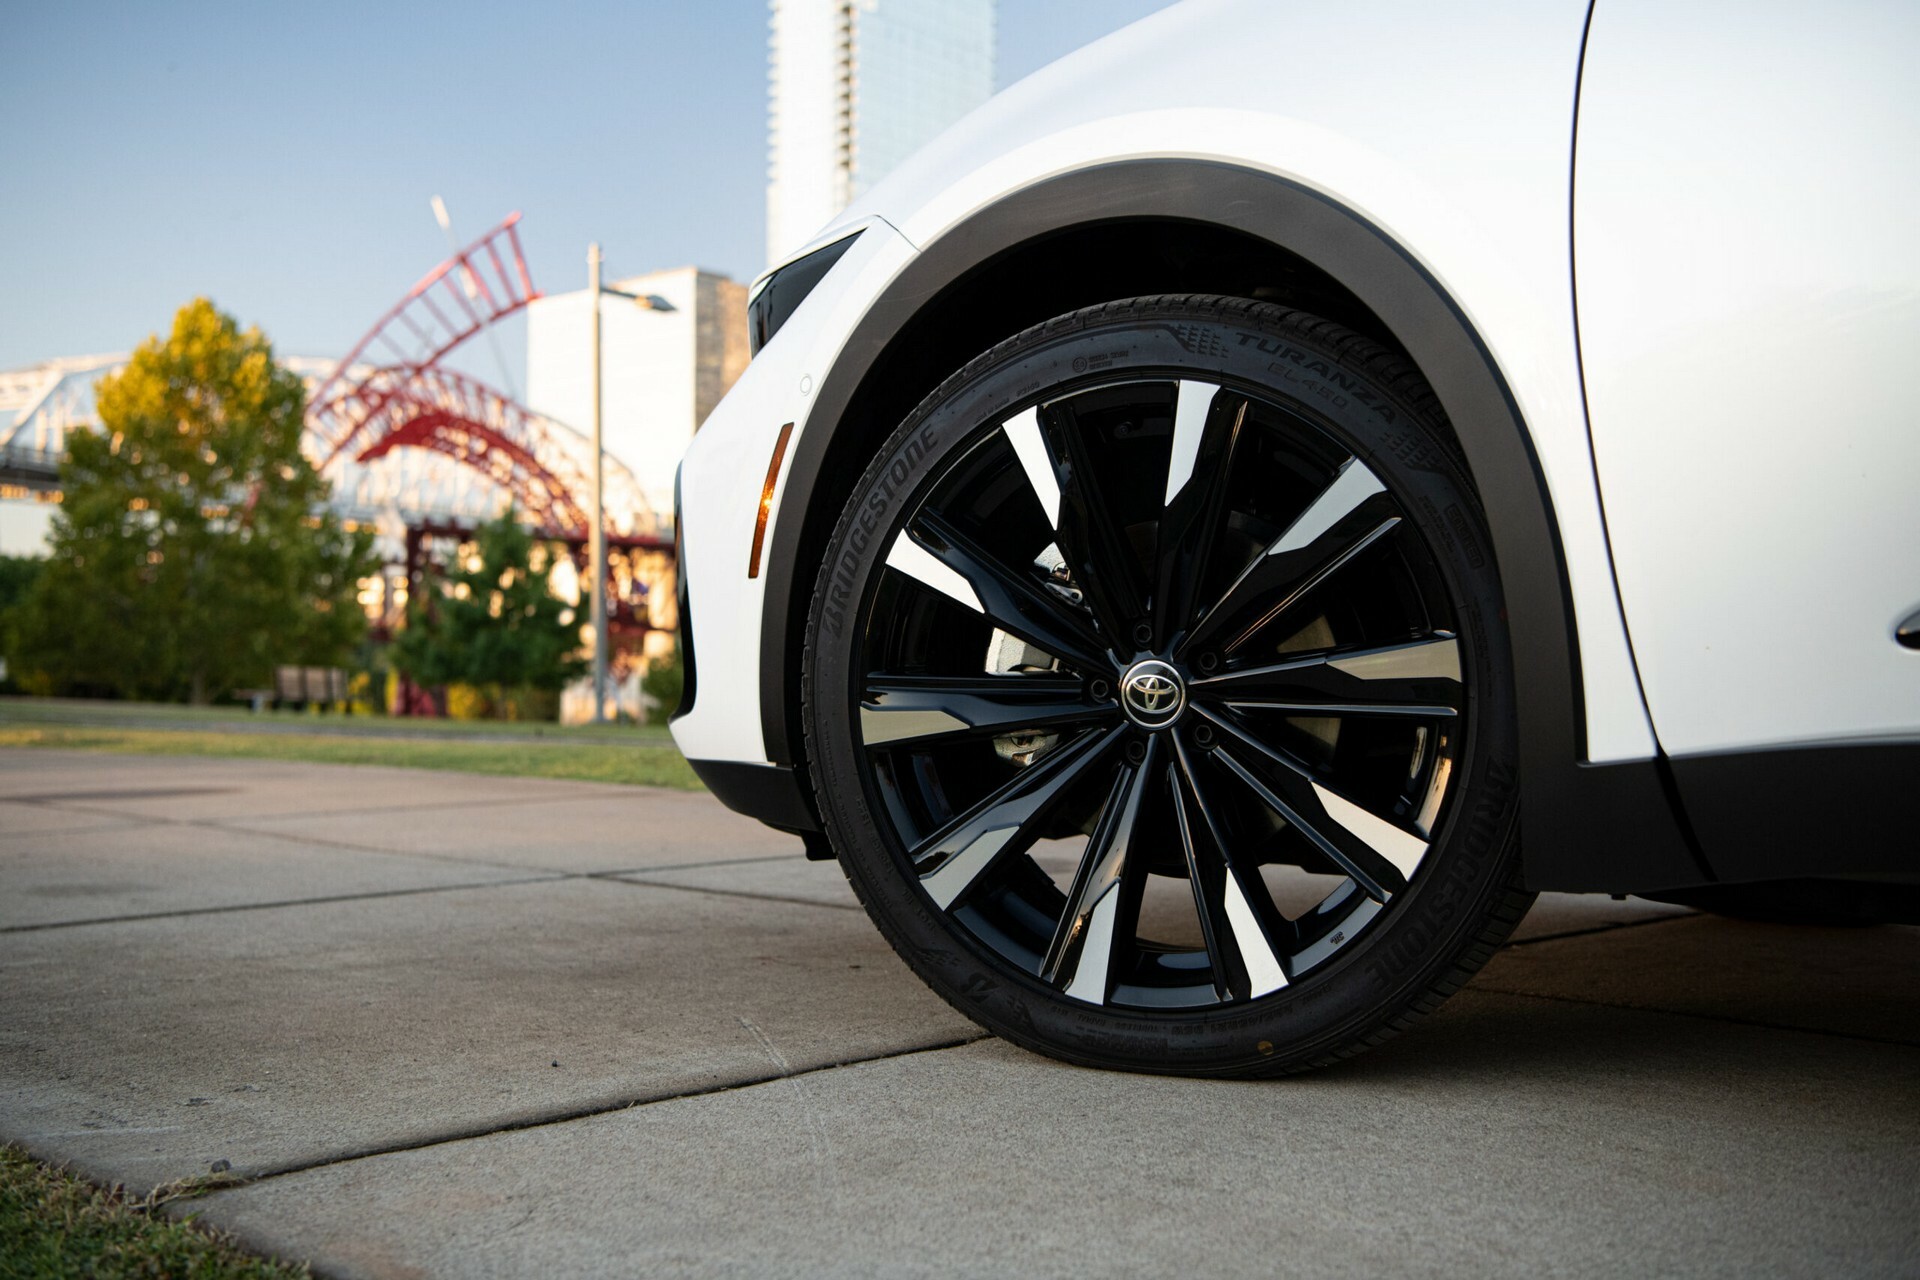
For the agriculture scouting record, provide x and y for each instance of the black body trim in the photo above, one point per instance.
(683, 607)
(1601, 828)
(770, 792)
(1807, 900)
(1806, 811)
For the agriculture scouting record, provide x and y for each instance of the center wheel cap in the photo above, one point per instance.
(1152, 694)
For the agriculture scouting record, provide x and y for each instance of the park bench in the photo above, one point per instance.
(301, 685)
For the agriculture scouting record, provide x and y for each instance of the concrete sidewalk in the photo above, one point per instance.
(454, 1025)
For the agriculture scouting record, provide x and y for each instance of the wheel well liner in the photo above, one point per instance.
(1204, 226)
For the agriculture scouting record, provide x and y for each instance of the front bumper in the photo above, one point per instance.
(721, 477)
(772, 793)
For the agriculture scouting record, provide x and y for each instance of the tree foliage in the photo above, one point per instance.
(492, 623)
(17, 576)
(665, 681)
(191, 553)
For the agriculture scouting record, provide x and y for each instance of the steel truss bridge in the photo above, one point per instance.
(411, 448)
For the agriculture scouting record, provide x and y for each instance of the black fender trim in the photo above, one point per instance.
(1609, 828)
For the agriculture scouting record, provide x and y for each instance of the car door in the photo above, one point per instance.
(1748, 295)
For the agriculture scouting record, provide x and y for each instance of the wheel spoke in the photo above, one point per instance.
(1417, 679)
(1023, 433)
(1229, 921)
(1206, 427)
(1379, 856)
(913, 709)
(932, 549)
(1090, 933)
(1349, 515)
(954, 858)
(1206, 873)
(1095, 547)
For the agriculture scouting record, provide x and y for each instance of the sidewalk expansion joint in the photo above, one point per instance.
(621, 877)
(1727, 1019)
(184, 912)
(496, 803)
(1610, 927)
(70, 831)
(693, 866)
(231, 828)
(322, 842)
(555, 877)
(589, 1112)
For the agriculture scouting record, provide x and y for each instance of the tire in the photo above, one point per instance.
(1157, 697)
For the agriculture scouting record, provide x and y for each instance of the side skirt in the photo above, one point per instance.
(1845, 810)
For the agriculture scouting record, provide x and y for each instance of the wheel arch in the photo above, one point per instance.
(1207, 227)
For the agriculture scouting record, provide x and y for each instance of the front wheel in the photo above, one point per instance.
(1157, 698)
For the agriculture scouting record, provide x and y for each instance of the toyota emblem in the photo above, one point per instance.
(1152, 694)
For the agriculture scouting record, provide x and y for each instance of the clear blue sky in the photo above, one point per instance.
(280, 157)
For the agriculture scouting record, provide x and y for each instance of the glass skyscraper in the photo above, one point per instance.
(855, 86)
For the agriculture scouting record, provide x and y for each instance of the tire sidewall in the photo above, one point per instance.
(1402, 963)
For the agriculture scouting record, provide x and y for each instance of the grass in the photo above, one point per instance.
(170, 715)
(635, 755)
(53, 1224)
(635, 764)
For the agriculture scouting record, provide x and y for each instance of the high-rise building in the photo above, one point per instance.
(854, 87)
(662, 371)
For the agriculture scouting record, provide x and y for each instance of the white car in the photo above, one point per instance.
(1214, 534)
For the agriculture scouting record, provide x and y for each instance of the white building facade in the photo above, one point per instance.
(854, 87)
(661, 371)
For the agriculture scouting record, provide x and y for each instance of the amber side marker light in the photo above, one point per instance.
(766, 500)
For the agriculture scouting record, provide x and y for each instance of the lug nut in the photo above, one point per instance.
(1136, 751)
(1143, 635)
(1204, 735)
(1099, 689)
(1208, 661)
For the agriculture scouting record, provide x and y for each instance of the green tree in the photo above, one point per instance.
(493, 623)
(191, 552)
(17, 576)
(665, 681)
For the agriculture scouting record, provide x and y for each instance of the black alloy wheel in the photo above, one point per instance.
(1157, 698)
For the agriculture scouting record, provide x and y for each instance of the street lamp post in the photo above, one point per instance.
(598, 539)
(597, 542)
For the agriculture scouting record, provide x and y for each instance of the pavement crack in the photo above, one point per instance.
(591, 1110)
(821, 1146)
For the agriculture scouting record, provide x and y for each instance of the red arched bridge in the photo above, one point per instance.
(364, 410)
(546, 467)
(390, 404)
